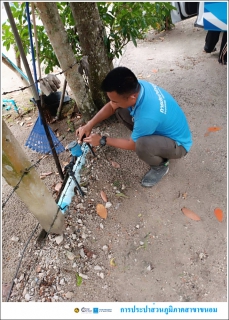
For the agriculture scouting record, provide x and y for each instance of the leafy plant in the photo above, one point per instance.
(129, 21)
(124, 22)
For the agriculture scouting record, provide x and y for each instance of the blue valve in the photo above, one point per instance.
(75, 149)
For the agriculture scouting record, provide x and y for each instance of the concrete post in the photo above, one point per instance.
(32, 191)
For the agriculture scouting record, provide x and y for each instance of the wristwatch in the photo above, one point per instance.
(103, 141)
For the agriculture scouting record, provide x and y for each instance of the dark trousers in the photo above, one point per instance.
(152, 149)
(211, 40)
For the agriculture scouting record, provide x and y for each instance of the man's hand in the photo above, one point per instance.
(84, 130)
(93, 139)
(49, 84)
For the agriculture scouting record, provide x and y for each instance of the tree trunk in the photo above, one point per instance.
(31, 190)
(91, 34)
(17, 57)
(58, 37)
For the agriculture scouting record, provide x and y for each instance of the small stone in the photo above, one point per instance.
(62, 282)
(80, 206)
(67, 246)
(108, 205)
(82, 254)
(201, 256)
(74, 236)
(84, 236)
(137, 226)
(14, 238)
(21, 277)
(70, 255)
(38, 269)
(27, 297)
(97, 268)
(25, 292)
(101, 275)
(101, 226)
(105, 248)
(141, 243)
(59, 239)
(84, 276)
(149, 267)
(69, 295)
(80, 244)
(79, 221)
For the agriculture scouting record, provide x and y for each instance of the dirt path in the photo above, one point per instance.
(146, 250)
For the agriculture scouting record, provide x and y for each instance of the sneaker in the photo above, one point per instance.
(154, 175)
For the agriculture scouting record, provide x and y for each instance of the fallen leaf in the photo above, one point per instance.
(219, 214)
(46, 174)
(115, 164)
(212, 129)
(112, 262)
(103, 196)
(101, 210)
(58, 186)
(190, 214)
(154, 70)
(78, 280)
(121, 195)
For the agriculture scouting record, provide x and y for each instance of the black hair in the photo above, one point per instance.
(121, 80)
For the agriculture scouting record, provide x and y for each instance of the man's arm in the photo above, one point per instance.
(127, 144)
(103, 114)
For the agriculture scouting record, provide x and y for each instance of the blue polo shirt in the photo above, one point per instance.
(157, 112)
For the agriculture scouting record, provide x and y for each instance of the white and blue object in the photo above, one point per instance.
(68, 191)
(215, 16)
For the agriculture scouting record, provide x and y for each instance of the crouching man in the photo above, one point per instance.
(160, 130)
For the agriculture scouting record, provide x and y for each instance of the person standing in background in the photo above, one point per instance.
(211, 40)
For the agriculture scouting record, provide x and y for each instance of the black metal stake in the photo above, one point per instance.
(56, 159)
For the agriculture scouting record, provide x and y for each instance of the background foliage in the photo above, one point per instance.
(124, 22)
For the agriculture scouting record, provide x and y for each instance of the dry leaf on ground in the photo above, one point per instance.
(190, 214)
(212, 129)
(101, 210)
(58, 186)
(115, 164)
(103, 196)
(112, 262)
(219, 214)
(46, 174)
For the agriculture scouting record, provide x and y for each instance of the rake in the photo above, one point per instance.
(38, 139)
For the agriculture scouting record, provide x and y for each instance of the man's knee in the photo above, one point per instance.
(141, 146)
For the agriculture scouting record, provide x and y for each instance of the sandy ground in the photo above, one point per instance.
(146, 249)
